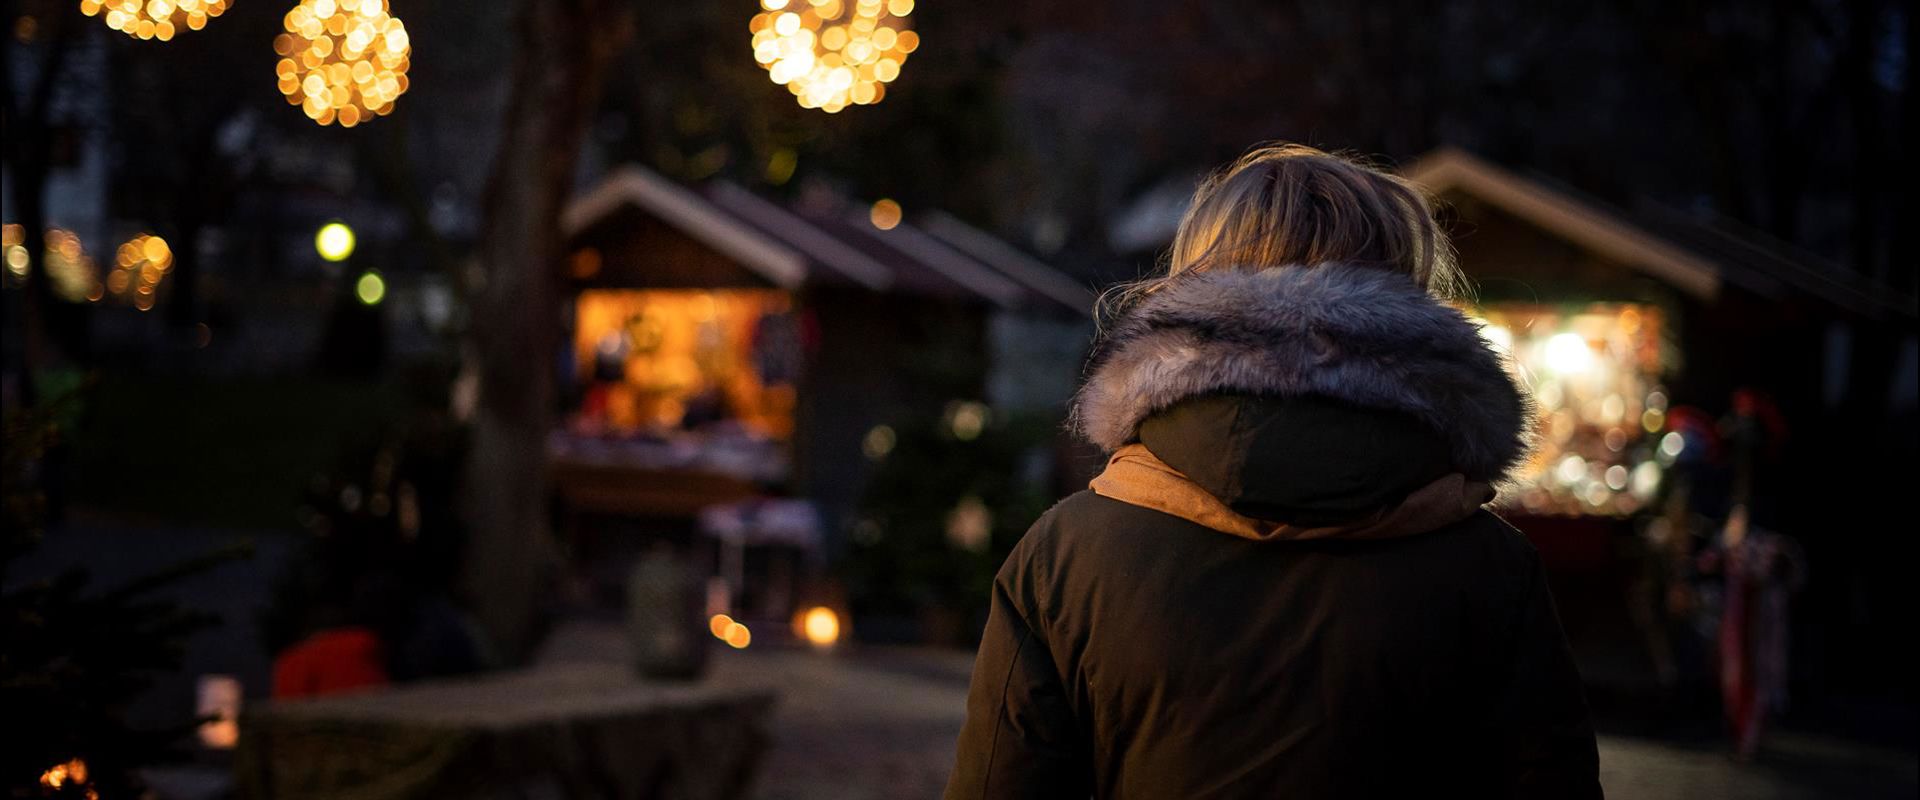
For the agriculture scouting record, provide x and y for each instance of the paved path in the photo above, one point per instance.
(880, 724)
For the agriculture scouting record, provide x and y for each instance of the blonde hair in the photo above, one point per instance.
(1292, 205)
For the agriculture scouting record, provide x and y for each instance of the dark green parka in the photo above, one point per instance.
(1133, 652)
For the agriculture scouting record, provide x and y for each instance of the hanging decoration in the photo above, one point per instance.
(342, 61)
(833, 53)
(154, 19)
(140, 265)
(72, 275)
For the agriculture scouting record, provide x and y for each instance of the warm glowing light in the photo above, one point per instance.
(1571, 469)
(1613, 408)
(878, 442)
(1594, 373)
(821, 626)
(1568, 353)
(371, 288)
(885, 214)
(833, 53)
(738, 637)
(140, 266)
(69, 776)
(1672, 444)
(73, 275)
(334, 241)
(967, 420)
(13, 241)
(718, 625)
(219, 704)
(584, 263)
(342, 61)
(154, 19)
(1645, 481)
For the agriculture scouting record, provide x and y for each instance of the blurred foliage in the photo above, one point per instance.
(220, 451)
(906, 559)
(77, 657)
(384, 539)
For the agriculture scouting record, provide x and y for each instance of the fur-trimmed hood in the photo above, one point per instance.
(1355, 335)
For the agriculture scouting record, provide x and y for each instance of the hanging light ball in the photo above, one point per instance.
(342, 61)
(154, 19)
(833, 53)
(141, 265)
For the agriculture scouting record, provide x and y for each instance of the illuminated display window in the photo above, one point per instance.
(1596, 373)
(652, 359)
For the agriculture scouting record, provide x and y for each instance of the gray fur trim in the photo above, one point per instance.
(1357, 334)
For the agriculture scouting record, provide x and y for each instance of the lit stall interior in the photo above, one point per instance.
(659, 359)
(1596, 373)
(677, 376)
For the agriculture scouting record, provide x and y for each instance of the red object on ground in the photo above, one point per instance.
(329, 662)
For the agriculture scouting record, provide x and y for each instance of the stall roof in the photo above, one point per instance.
(833, 243)
(1019, 266)
(676, 205)
(1572, 218)
(1768, 267)
(1698, 256)
(1694, 253)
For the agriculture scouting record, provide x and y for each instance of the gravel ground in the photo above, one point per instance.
(879, 724)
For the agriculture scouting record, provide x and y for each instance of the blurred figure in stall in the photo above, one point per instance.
(1758, 570)
(609, 370)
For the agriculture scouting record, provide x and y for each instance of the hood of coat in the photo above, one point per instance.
(1313, 396)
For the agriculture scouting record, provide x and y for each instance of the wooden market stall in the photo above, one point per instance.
(1645, 336)
(731, 349)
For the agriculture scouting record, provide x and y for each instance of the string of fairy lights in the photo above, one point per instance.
(342, 62)
(833, 53)
(345, 63)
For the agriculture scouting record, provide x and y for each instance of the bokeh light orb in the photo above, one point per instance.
(154, 19)
(71, 273)
(334, 241)
(140, 266)
(342, 61)
(820, 626)
(833, 53)
(885, 214)
(371, 288)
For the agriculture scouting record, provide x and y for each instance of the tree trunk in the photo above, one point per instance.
(564, 49)
(52, 331)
